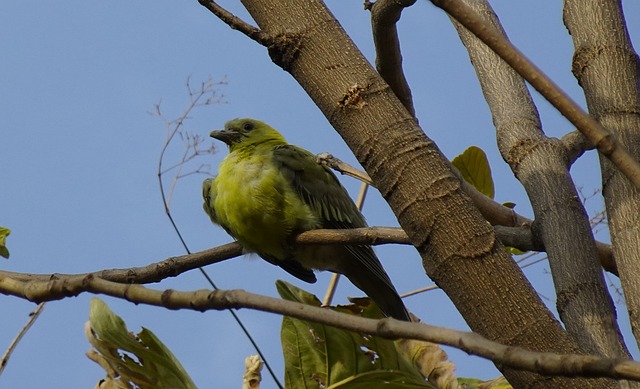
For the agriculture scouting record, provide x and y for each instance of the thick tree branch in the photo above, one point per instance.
(591, 128)
(569, 365)
(575, 144)
(607, 68)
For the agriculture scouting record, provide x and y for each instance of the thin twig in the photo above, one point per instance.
(235, 22)
(421, 290)
(33, 316)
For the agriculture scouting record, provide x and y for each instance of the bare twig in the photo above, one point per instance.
(544, 363)
(205, 95)
(235, 22)
(33, 316)
(605, 142)
(421, 290)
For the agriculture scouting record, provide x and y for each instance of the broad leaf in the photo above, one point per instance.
(322, 356)
(131, 361)
(474, 167)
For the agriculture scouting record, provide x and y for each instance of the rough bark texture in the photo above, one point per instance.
(540, 163)
(459, 249)
(606, 66)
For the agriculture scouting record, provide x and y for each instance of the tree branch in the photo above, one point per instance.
(575, 144)
(33, 316)
(234, 22)
(155, 272)
(203, 300)
(591, 128)
(518, 237)
(561, 221)
(384, 16)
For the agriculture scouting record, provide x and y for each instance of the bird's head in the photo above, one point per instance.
(239, 133)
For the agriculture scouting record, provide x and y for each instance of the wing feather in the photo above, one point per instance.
(322, 192)
(209, 193)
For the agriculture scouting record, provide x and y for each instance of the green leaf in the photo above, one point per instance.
(131, 361)
(516, 251)
(474, 167)
(316, 355)
(4, 232)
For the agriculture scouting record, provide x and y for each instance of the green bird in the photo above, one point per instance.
(267, 191)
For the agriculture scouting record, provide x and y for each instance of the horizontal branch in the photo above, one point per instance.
(518, 237)
(155, 272)
(203, 300)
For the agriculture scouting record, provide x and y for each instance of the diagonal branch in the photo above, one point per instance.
(33, 316)
(235, 22)
(605, 142)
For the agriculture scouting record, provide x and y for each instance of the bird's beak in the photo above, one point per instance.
(226, 136)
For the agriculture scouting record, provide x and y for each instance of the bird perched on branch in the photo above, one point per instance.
(267, 191)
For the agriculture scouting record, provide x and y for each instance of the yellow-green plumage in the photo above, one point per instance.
(267, 190)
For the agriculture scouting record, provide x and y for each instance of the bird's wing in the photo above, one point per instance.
(209, 193)
(318, 187)
(322, 192)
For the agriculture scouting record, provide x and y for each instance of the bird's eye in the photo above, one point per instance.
(247, 126)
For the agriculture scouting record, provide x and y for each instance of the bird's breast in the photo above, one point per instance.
(258, 206)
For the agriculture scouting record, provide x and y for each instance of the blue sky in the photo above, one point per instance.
(79, 152)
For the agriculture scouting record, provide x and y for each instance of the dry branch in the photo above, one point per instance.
(569, 365)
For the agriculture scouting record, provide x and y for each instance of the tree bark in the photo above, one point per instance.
(606, 66)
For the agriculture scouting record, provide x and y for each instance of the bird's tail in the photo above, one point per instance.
(382, 293)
